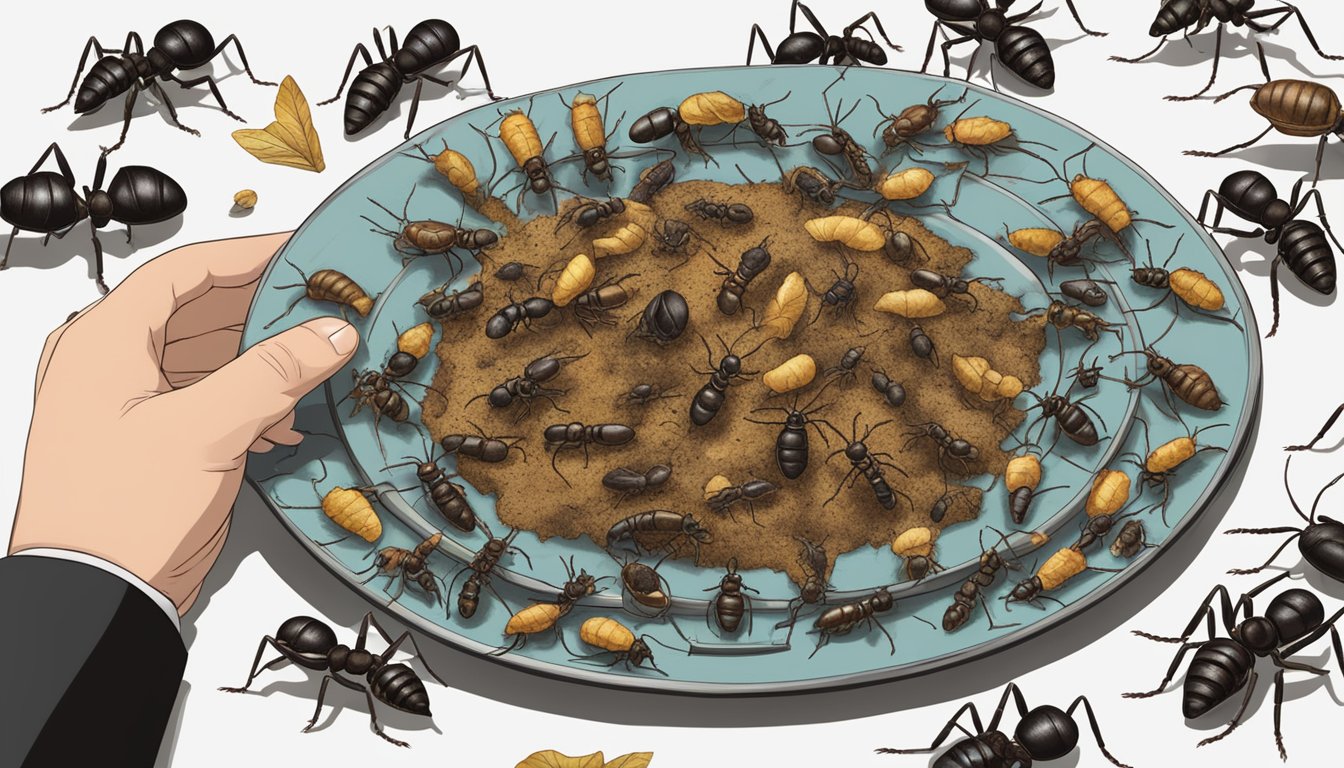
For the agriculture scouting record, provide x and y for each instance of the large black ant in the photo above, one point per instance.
(1181, 15)
(1223, 666)
(1044, 733)
(1021, 49)
(431, 43)
(183, 44)
(311, 644)
(47, 202)
(822, 47)
(710, 398)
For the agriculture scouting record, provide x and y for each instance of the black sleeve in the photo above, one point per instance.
(92, 667)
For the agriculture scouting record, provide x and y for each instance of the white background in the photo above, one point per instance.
(492, 716)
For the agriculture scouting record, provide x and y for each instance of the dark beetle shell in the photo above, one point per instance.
(665, 317)
(1086, 291)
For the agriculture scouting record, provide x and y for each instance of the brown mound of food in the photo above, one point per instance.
(533, 497)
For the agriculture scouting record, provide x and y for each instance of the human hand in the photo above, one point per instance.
(147, 389)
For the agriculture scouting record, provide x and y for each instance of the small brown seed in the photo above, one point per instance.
(245, 198)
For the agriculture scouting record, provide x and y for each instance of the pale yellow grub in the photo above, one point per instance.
(716, 483)
(1022, 472)
(349, 509)
(586, 121)
(915, 303)
(1062, 566)
(622, 241)
(711, 108)
(1195, 289)
(1170, 455)
(916, 542)
(606, 633)
(245, 198)
(573, 280)
(977, 131)
(786, 307)
(535, 618)
(1036, 241)
(1110, 491)
(458, 170)
(416, 341)
(978, 377)
(520, 136)
(848, 230)
(905, 185)
(795, 373)
(1097, 198)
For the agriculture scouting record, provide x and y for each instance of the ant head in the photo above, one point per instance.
(1258, 634)
(882, 600)
(1157, 364)
(856, 451)
(991, 23)
(812, 591)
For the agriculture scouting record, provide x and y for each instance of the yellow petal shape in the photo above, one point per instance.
(290, 140)
(632, 760)
(549, 758)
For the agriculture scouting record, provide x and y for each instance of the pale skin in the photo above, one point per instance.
(148, 388)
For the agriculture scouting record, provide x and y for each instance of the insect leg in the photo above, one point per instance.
(359, 50)
(373, 713)
(1137, 59)
(242, 57)
(1083, 27)
(1330, 422)
(1288, 12)
(1171, 672)
(393, 645)
(256, 670)
(97, 258)
(1092, 720)
(214, 90)
(1217, 54)
(1241, 710)
(172, 110)
(947, 731)
(947, 47)
(92, 44)
(756, 32)
(872, 15)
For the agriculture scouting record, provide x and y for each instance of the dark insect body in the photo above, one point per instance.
(1087, 291)
(900, 130)
(47, 202)
(949, 445)
(527, 387)
(426, 237)
(576, 435)
(183, 44)
(643, 394)
(791, 445)
(652, 180)
(891, 391)
(1187, 381)
(841, 295)
(517, 314)
(664, 319)
(591, 212)
(312, 645)
(448, 497)
(664, 523)
(753, 262)
(724, 213)
(846, 617)
(630, 482)
(1190, 17)
(514, 270)
(848, 365)
(480, 569)
(1130, 540)
(973, 589)
(442, 306)
(1021, 49)
(1071, 417)
(1045, 733)
(943, 286)
(922, 345)
(480, 446)
(868, 464)
(1063, 316)
(748, 492)
(833, 141)
(1302, 244)
(1222, 666)
(596, 304)
(709, 400)
(401, 565)
(654, 125)
(731, 604)
(821, 47)
(430, 44)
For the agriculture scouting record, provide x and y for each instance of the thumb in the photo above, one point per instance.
(248, 395)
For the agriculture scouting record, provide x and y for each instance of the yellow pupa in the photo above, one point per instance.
(1062, 566)
(573, 280)
(850, 231)
(458, 170)
(716, 483)
(915, 542)
(416, 341)
(787, 306)
(606, 633)
(905, 185)
(520, 136)
(915, 303)
(1170, 455)
(1110, 491)
(1195, 289)
(977, 131)
(1022, 472)
(586, 120)
(535, 618)
(1097, 198)
(794, 373)
(711, 108)
(1036, 241)
(349, 509)
(978, 377)
(638, 220)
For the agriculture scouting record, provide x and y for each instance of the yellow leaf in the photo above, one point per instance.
(549, 758)
(632, 760)
(290, 140)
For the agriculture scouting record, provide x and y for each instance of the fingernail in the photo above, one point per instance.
(342, 335)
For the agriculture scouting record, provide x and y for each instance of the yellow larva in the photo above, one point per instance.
(1036, 241)
(1097, 198)
(711, 108)
(1022, 472)
(1110, 491)
(915, 303)
(416, 341)
(349, 509)
(977, 131)
(784, 310)
(1195, 289)
(915, 542)
(1062, 566)
(905, 185)
(978, 377)
(576, 277)
(794, 373)
(849, 231)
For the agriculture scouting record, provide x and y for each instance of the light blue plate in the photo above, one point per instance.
(760, 660)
